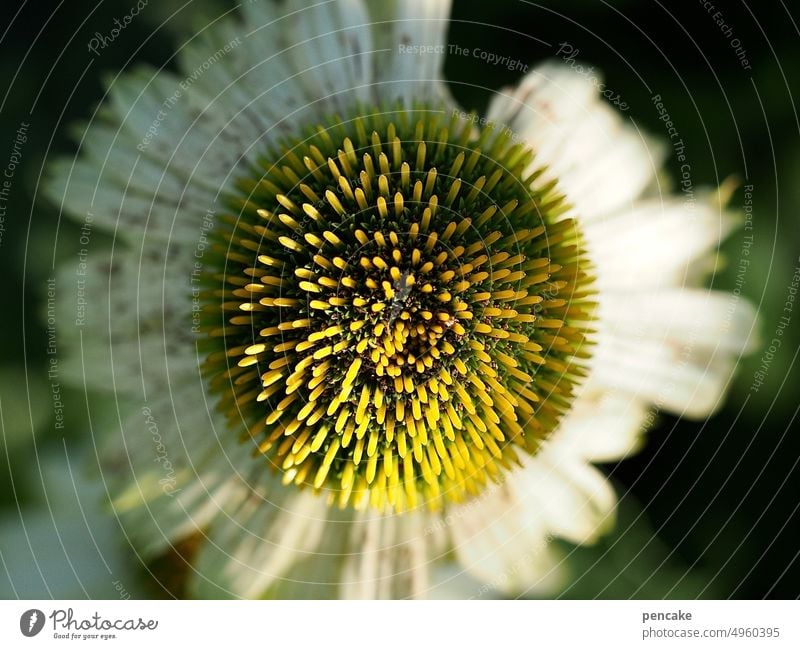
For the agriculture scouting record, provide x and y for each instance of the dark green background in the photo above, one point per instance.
(708, 509)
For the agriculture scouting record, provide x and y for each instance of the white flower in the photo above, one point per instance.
(158, 166)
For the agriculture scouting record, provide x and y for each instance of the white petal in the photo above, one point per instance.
(154, 519)
(134, 322)
(602, 427)
(675, 348)
(402, 25)
(654, 243)
(451, 581)
(701, 319)
(548, 94)
(303, 549)
(573, 497)
(502, 543)
(390, 555)
(332, 50)
(155, 193)
(661, 375)
(504, 536)
(257, 545)
(601, 162)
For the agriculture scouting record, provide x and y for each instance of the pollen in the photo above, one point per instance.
(398, 307)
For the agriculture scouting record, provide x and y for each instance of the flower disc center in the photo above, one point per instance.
(398, 305)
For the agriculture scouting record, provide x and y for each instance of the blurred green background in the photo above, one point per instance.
(708, 509)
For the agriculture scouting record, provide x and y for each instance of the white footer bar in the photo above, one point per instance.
(406, 625)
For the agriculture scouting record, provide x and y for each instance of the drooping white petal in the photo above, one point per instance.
(306, 549)
(160, 192)
(451, 580)
(602, 426)
(573, 497)
(258, 544)
(502, 543)
(391, 555)
(504, 537)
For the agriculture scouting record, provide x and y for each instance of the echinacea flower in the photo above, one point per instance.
(355, 335)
